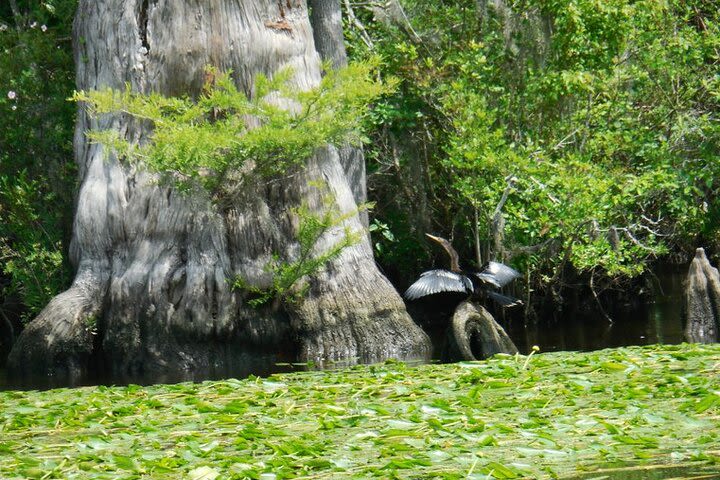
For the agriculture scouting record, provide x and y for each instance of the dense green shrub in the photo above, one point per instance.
(597, 118)
(36, 167)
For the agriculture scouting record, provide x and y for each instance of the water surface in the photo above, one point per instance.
(656, 319)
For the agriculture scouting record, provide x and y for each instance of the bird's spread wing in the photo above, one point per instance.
(487, 280)
(437, 281)
(497, 274)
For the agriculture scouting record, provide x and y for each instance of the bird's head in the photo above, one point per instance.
(435, 239)
(454, 260)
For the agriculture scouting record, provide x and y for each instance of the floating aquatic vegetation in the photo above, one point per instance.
(605, 414)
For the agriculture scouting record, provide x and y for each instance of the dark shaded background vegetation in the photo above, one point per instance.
(37, 174)
(575, 139)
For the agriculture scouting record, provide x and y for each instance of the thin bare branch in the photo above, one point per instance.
(545, 188)
(361, 28)
(597, 299)
(510, 179)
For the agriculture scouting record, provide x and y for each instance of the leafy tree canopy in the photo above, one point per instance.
(598, 118)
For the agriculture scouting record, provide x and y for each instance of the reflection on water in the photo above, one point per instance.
(656, 321)
(242, 366)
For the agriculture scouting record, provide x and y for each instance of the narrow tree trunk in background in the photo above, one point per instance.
(326, 21)
(527, 32)
(152, 291)
(702, 300)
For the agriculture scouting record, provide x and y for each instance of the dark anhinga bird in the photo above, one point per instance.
(492, 276)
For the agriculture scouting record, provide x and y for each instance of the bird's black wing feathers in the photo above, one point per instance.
(438, 281)
(504, 300)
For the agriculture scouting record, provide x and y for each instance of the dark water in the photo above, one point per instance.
(656, 319)
(258, 364)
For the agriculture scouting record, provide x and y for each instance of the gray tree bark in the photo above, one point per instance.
(475, 335)
(326, 21)
(527, 32)
(702, 298)
(152, 291)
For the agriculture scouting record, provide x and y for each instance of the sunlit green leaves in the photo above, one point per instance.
(556, 415)
(211, 139)
(605, 112)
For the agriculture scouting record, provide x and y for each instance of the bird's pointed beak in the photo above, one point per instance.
(432, 237)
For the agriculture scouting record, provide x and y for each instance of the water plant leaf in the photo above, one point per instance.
(203, 473)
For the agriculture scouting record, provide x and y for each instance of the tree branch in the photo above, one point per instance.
(497, 224)
(597, 299)
(361, 28)
(16, 14)
(478, 255)
(510, 179)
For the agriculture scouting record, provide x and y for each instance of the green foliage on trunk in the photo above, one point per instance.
(224, 134)
(289, 278)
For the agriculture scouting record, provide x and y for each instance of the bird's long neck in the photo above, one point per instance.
(454, 257)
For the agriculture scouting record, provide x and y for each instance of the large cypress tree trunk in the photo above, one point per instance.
(152, 291)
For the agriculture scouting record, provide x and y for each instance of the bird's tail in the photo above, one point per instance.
(504, 300)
